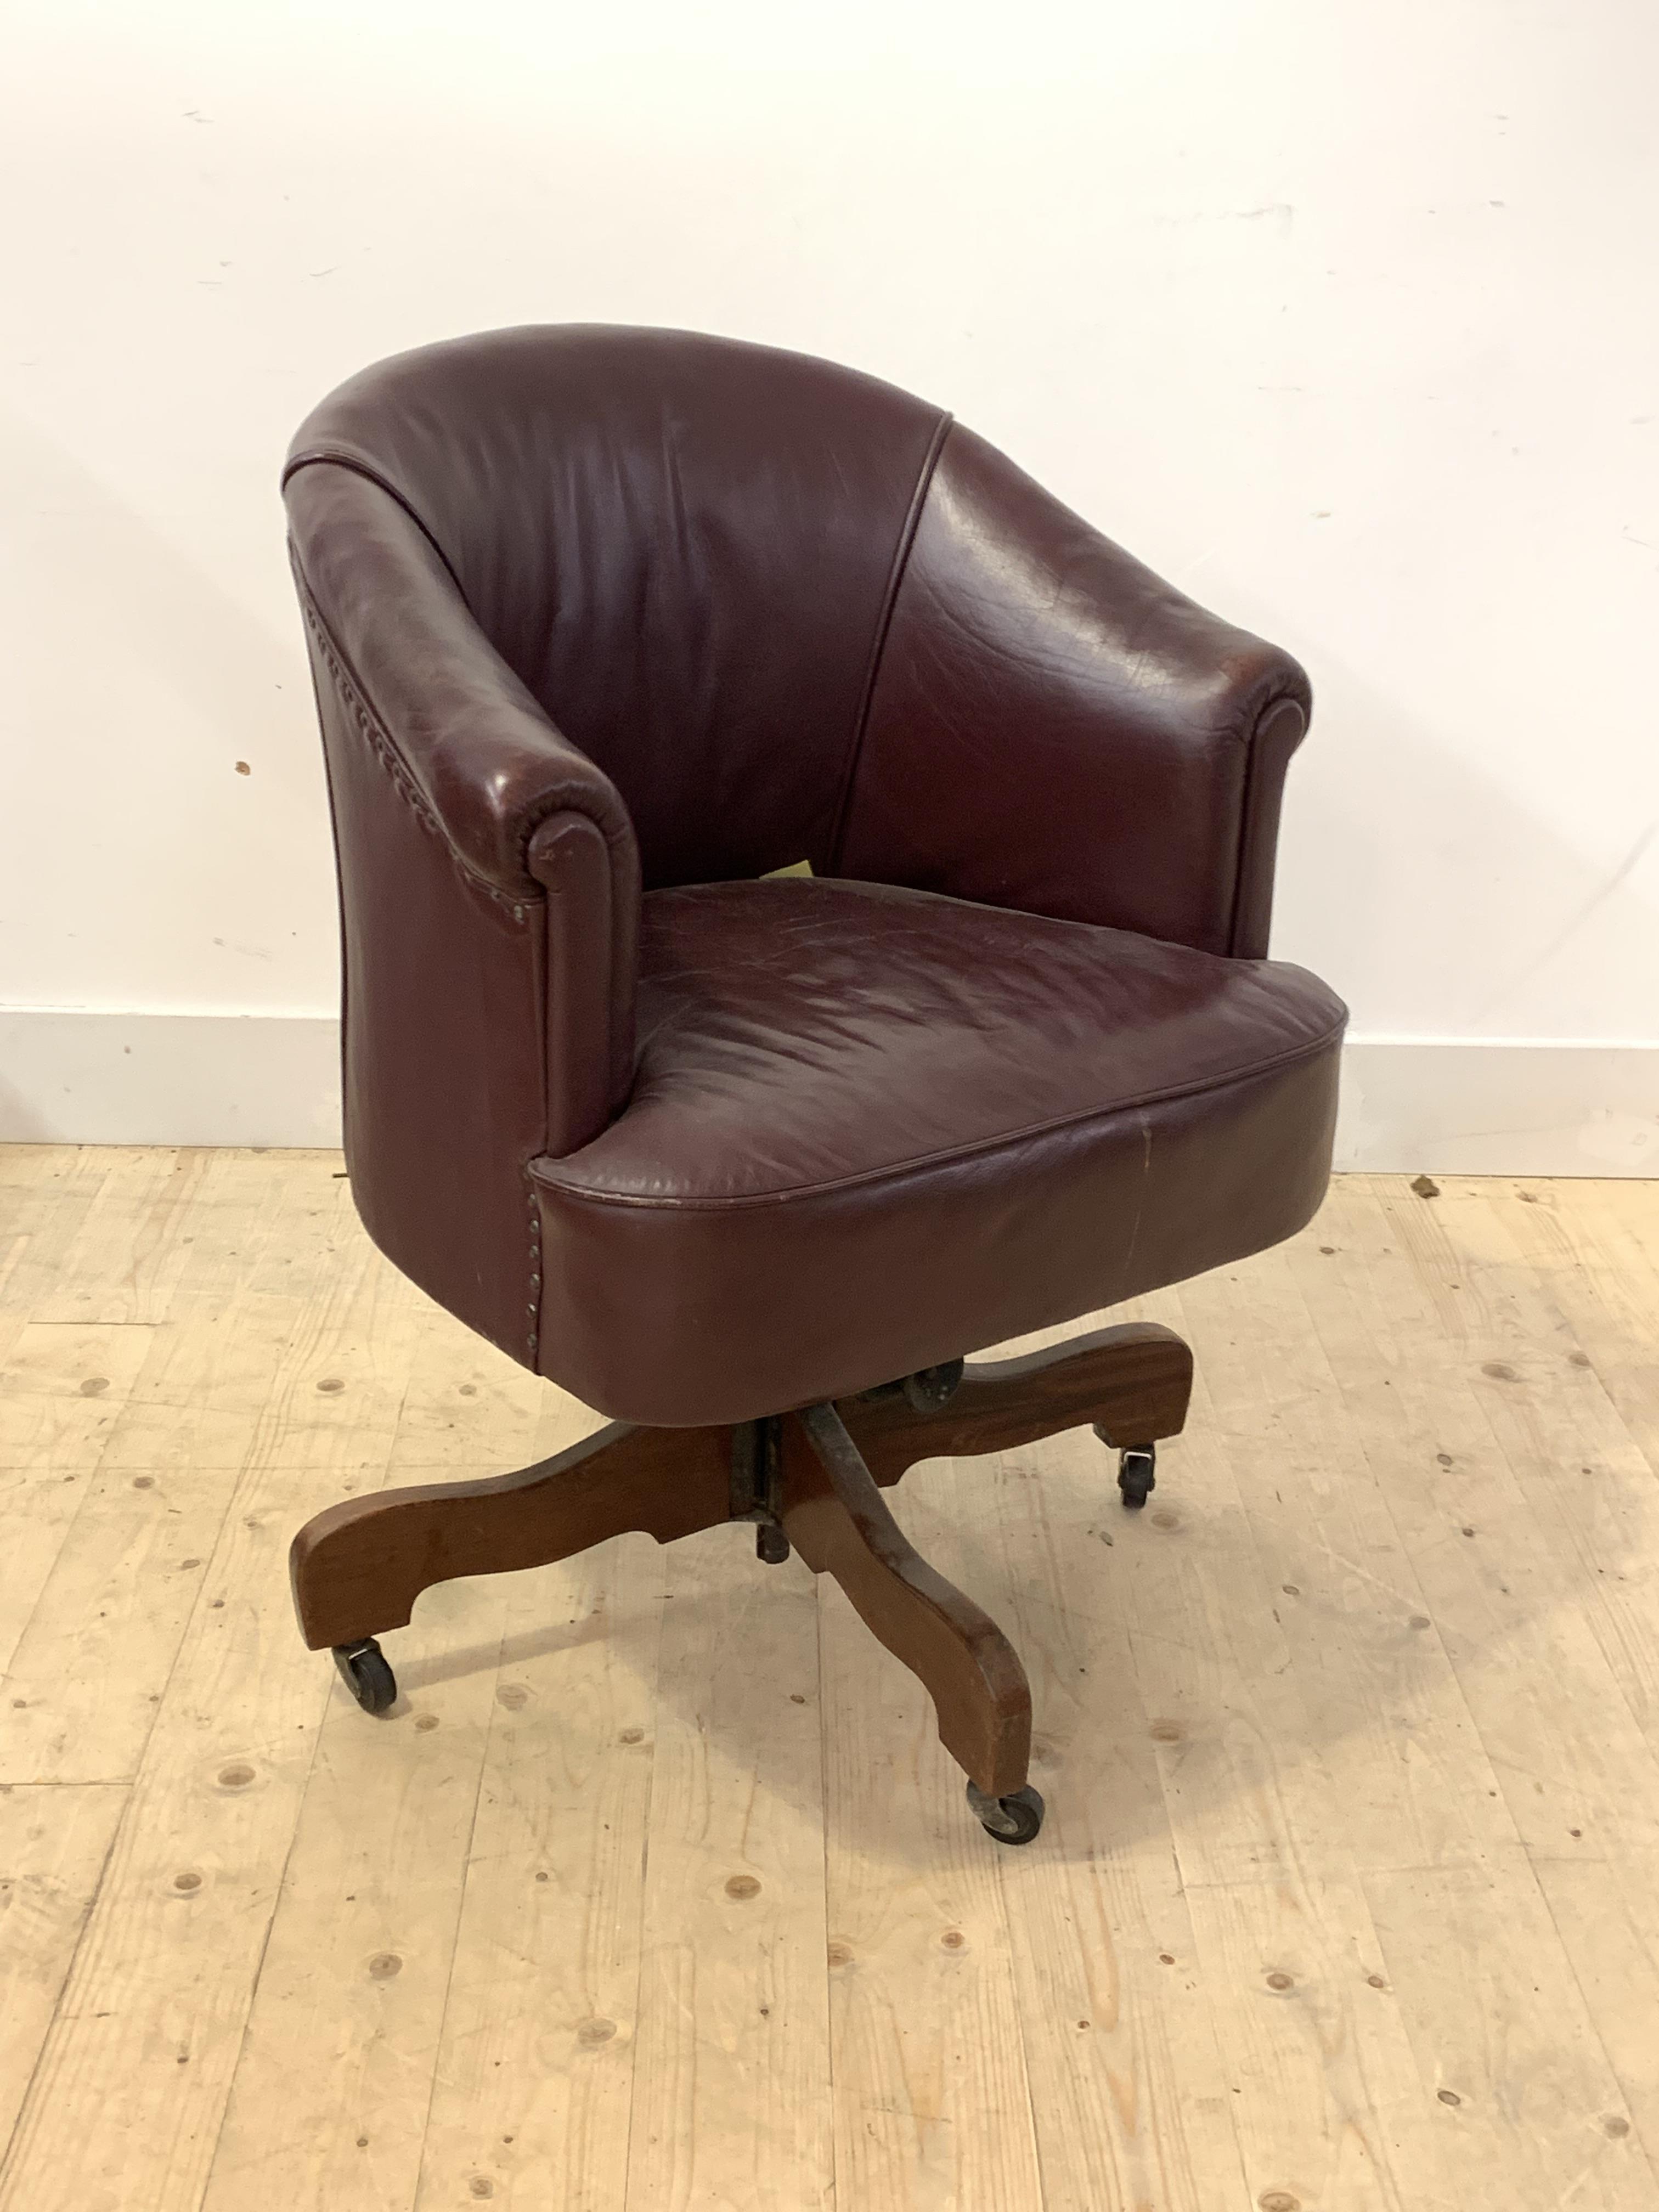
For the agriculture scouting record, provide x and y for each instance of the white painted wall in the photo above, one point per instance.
(1343, 317)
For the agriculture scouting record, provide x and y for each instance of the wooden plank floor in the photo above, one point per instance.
(657, 1891)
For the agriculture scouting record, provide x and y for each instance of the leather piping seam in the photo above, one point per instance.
(1247, 801)
(331, 460)
(901, 561)
(946, 1156)
(385, 750)
(1282, 689)
(380, 743)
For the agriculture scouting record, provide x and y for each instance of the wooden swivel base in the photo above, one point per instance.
(812, 1479)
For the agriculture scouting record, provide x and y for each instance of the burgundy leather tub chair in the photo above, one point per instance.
(608, 625)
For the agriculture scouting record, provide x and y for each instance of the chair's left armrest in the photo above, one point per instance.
(526, 816)
(488, 902)
(1053, 728)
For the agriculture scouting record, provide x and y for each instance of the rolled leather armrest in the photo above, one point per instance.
(1054, 728)
(471, 743)
(489, 904)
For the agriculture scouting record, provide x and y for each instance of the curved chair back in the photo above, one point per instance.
(683, 546)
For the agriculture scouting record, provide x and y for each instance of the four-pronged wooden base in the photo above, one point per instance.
(358, 1568)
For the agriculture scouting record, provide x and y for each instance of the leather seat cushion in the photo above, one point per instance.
(873, 1128)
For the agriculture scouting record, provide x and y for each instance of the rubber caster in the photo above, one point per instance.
(1013, 1820)
(366, 1673)
(931, 1389)
(771, 1545)
(1135, 1478)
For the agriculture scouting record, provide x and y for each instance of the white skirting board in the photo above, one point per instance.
(140, 1078)
(1514, 1107)
(1410, 1105)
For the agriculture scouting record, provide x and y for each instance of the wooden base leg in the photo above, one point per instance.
(358, 1567)
(1132, 1382)
(838, 1521)
(809, 1477)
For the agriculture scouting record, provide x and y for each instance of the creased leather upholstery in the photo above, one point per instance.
(879, 1128)
(1056, 728)
(607, 623)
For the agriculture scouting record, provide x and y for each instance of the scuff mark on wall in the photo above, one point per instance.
(1597, 899)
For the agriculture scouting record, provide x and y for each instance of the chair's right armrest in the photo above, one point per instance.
(490, 902)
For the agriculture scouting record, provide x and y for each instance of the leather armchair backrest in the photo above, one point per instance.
(685, 547)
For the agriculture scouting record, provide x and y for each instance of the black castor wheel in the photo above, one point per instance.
(931, 1388)
(1135, 1477)
(771, 1545)
(1013, 1820)
(365, 1672)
